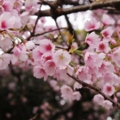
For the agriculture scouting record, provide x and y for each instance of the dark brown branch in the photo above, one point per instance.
(92, 6)
(66, 2)
(95, 89)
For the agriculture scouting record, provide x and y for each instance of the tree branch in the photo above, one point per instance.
(95, 89)
(79, 8)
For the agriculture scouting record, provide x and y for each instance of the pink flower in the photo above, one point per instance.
(109, 77)
(94, 59)
(46, 46)
(63, 74)
(37, 53)
(76, 96)
(107, 32)
(107, 104)
(67, 92)
(107, 20)
(5, 43)
(7, 5)
(108, 89)
(39, 72)
(45, 57)
(93, 24)
(9, 20)
(30, 3)
(115, 56)
(92, 39)
(49, 67)
(98, 99)
(118, 23)
(103, 47)
(82, 73)
(106, 66)
(4, 61)
(77, 85)
(62, 58)
(20, 51)
(29, 45)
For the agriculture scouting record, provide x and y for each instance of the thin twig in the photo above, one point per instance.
(36, 20)
(48, 31)
(59, 30)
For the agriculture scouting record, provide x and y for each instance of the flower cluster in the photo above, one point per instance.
(22, 43)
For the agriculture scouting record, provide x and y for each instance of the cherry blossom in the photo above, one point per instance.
(76, 96)
(77, 85)
(115, 56)
(107, 32)
(103, 47)
(39, 72)
(93, 40)
(107, 104)
(108, 89)
(107, 20)
(62, 58)
(28, 43)
(66, 92)
(93, 24)
(98, 99)
(30, 3)
(49, 67)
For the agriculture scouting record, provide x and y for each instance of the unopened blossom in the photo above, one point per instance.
(62, 58)
(29, 45)
(93, 24)
(108, 89)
